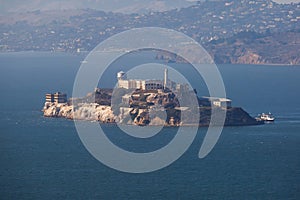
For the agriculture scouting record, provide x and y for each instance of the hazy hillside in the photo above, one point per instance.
(124, 6)
(218, 25)
(250, 47)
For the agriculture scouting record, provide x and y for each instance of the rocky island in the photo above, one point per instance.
(142, 103)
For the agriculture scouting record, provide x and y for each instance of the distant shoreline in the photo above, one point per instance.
(268, 64)
(15, 53)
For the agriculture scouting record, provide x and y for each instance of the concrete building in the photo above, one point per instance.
(218, 102)
(56, 97)
(154, 85)
(123, 82)
(131, 84)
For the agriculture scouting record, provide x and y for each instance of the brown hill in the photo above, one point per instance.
(254, 48)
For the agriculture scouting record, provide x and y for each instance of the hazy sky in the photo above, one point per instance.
(106, 5)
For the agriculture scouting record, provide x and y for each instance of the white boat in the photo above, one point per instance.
(265, 117)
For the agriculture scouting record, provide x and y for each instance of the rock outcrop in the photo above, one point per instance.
(58, 110)
(82, 111)
(157, 108)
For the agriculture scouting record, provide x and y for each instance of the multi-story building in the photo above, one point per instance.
(57, 97)
(123, 82)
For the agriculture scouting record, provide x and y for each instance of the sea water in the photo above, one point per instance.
(43, 158)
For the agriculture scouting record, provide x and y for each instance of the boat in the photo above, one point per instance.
(265, 117)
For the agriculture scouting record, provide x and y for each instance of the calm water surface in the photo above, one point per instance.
(43, 158)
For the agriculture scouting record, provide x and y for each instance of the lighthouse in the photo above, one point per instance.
(166, 78)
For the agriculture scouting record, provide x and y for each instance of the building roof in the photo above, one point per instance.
(217, 99)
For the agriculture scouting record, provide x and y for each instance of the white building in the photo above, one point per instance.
(123, 82)
(219, 102)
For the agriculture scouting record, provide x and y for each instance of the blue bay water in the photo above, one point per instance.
(43, 158)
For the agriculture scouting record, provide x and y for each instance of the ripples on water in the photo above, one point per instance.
(43, 158)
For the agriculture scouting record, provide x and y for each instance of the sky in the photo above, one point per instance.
(125, 6)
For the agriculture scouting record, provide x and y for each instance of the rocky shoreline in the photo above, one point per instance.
(142, 116)
(85, 111)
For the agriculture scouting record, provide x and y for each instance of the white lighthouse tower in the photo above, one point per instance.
(166, 78)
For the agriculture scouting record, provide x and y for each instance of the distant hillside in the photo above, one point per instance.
(251, 48)
(235, 31)
(123, 6)
(254, 48)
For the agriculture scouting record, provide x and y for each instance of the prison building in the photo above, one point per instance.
(218, 102)
(56, 97)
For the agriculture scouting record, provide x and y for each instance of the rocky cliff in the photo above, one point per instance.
(83, 111)
(139, 116)
(145, 108)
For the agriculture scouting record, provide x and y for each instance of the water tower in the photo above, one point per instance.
(121, 75)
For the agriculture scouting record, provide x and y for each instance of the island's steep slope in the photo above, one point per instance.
(104, 114)
(83, 111)
(144, 107)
